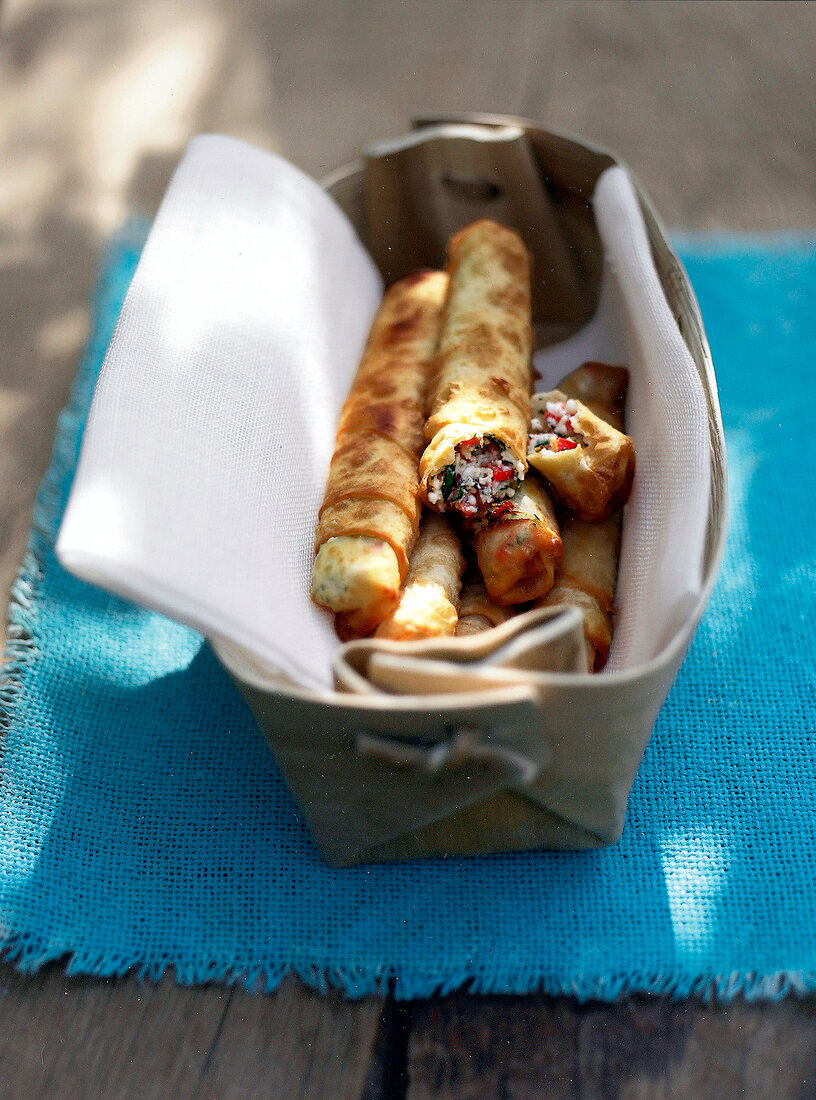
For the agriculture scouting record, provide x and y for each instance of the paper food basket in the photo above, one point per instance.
(492, 743)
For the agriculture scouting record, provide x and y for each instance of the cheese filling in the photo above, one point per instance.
(553, 428)
(353, 571)
(482, 472)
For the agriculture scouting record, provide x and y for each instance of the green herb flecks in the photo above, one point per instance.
(448, 480)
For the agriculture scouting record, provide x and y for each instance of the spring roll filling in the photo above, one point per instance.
(483, 472)
(553, 428)
(353, 571)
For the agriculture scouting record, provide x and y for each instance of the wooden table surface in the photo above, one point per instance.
(710, 103)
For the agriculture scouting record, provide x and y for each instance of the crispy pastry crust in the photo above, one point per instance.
(477, 612)
(519, 548)
(587, 576)
(594, 479)
(428, 601)
(483, 375)
(371, 492)
(601, 387)
(586, 579)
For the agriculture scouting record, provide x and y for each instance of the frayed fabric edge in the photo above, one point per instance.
(22, 641)
(28, 956)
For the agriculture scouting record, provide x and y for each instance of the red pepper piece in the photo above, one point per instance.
(501, 473)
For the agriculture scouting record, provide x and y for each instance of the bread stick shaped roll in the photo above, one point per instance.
(430, 596)
(477, 612)
(588, 463)
(588, 573)
(586, 579)
(601, 387)
(369, 519)
(476, 431)
(518, 546)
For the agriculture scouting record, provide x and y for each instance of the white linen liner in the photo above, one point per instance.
(205, 454)
(661, 570)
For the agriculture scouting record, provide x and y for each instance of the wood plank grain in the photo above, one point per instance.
(390, 61)
(120, 1038)
(645, 1048)
(709, 103)
(295, 1044)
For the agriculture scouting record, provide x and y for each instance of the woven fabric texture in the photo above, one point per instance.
(144, 825)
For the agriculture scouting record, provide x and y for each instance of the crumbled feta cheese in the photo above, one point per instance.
(482, 472)
(557, 432)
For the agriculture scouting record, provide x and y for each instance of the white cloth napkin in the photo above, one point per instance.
(205, 455)
(212, 425)
(661, 564)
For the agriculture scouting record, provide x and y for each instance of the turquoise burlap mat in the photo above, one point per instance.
(144, 825)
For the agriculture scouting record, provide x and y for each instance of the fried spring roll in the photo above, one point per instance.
(369, 519)
(477, 612)
(476, 431)
(428, 601)
(588, 573)
(588, 463)
(518, 546)
(586, 579)
(601, 387)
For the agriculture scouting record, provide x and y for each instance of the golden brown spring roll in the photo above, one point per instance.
(586, 579)
(429, 598)
(587, 576)
(476, 431)
(588, 464)
(601, 387)
(477, 612)
(369, 519)
(518, 546)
